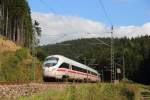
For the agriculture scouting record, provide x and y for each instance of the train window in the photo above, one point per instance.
(81, 69)
(52, 61)
(78, 69)
(93, 73)
(49, 64)
(74, 68)
(64, 65)
(89, 72)
(84, 70)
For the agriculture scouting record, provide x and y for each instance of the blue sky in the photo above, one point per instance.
(75, 18)
(121, 12)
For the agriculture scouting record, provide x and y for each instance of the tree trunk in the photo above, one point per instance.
(9, 32)
(0, 17)
(6, 29)
(3, 18)
(22, 33)
(14, 31)
(18, 32)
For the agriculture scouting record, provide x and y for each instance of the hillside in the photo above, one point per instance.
(7, 45)
(16, 36)
(136, 52)
(16, 62)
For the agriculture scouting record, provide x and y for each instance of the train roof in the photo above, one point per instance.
(65, 59)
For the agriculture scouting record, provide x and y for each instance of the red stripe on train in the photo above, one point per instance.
(75, 72)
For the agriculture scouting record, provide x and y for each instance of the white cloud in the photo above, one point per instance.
(132, 31)
(57, 28)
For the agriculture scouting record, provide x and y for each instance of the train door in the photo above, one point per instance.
(65, 73)
(89, 75)
(69, 71)
(87, 72)
(71, 74)
(74, 72)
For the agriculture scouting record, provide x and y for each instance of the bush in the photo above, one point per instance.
(100, 91)
(10, 71)
(128, 93)
(21, 53)
(15, 59)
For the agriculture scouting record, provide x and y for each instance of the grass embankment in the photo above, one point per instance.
(17, 66)
(16, 62)
(7, 45)
(100, 91)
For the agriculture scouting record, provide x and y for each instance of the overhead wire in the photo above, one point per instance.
(54, 12)
(113, 67)
(105, 12)
(108, 19)
(49, 8)
(100, 3)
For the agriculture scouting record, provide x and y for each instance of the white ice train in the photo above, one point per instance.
(60, 67)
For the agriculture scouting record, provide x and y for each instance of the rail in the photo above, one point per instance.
(145, 95)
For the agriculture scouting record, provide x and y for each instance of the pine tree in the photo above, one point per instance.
(16, 22)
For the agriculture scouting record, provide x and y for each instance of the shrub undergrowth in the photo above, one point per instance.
(100, 91)
(17, 66)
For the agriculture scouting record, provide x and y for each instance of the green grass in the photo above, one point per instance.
(17, 66)
(100, 91)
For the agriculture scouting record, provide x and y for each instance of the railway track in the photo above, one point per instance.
(13, 83)
(44, 83)
(145, 95)
(15, 89)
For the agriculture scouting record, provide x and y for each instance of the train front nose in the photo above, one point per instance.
(48, 72)
(49, 66)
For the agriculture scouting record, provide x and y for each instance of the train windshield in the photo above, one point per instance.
(52, 61)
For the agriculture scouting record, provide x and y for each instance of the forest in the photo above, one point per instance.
(17, 27)
(16, 23)
(136, 52)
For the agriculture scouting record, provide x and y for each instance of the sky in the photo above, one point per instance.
(71, 19)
